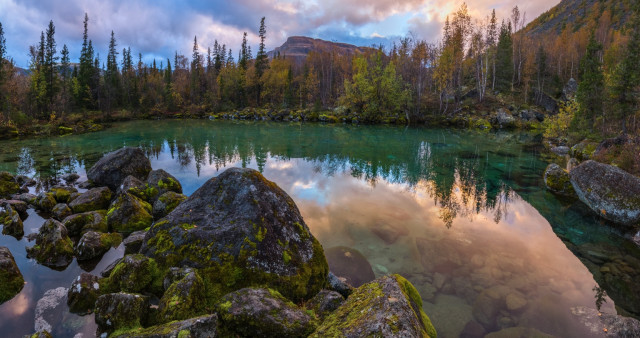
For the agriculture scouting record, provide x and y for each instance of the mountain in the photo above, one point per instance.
(298, 47)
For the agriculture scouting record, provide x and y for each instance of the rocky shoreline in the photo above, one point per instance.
(233, 259)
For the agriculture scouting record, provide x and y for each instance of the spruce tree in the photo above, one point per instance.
(504, 58)
(86, 71)
(591, 86)
(262, 62)
(65, 73)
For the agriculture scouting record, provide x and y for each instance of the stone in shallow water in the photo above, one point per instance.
(518, 332)
(83, 293)
(114, 167)
(94, 199)
(11, 279)
(61, 211)
(95, 244)
(515, 301)
(87, 221)
(10, 221)
(133, 242)
(50, 308)
(53, 246)
(350, 264)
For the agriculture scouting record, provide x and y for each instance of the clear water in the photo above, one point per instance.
(462, 214)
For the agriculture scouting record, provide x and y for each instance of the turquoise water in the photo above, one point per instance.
(463, 215)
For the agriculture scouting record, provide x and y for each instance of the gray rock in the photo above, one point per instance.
(106, 272)
(547, 102)
(561, 150)
(53, 246)
(94, 199)
(50, 308)
(61, 211)
(251, 222)
(94, 244)
(518, 332)
(325, 302)
(166, 203)
(184, 298)
(128, 213)
(10, 277)
(133, 242)
(572, 163)
(120, 311)
(45, 202)
(387, 307)
(570, 89)
(617, 326)
(558, 180)
(609, 191)
(339, 284)
(134, 273)
(504, 119)
(131, 185)
(70, 178)
(26, 197)
(163, 182)
(20, 206)
(199, 327)
(114, 167)
(486, 308)
(87, 221)
(10, 221)
(62, 194)
(83, 293)
(262, 313)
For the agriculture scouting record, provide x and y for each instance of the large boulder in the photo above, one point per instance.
(10, 221)
(115, 311)
(91, 200)
(185, 298)
(609, 191)
(241, 230)
(387, 307)
(10, 276)
(262, 313)
(53, 246)
(198, 327)
(8, 185)
(83, 293)
(128, 213)
(95, 244)
(558, 181)
(504, 119)
(114, 167)
(78, 224)
(134, 273)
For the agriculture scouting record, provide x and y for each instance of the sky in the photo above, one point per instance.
(159, 28)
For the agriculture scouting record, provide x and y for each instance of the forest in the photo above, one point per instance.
(477, 67)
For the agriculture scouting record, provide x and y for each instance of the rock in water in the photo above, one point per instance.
(199, 327)
(350, 264)
(128, 213)
(10, 277)
(387, 307)
(262, 313)
(609, 191)
(10, 221)
(78, 224)
(50, 308)
(8, 185)
(114, 167)
(61, 211)
(558, 181)
(133, 242)
(83, 293)
(160, 182)
(116, 311)
(241, 230)
(95, 244)
(53, 246)
(94, 199)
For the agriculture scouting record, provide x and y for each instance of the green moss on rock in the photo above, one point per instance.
(128, 213)
(8, 185)
(11, 280)
(135, 273)
(183, 299)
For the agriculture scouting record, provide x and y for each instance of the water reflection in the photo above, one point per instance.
(461, 214)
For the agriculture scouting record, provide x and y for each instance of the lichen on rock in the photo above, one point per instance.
(94, 199)
(11, 279)
(128, 213)
(53, 246)
(558, 181)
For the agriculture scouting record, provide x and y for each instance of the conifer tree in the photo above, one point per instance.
(504, 58)
(262, 62)
(3, 50)
(86, 73)
(591, 86)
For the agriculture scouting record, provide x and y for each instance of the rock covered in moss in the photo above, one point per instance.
(8, 185)
(20, 206)
(95, 244)
(387, 307)
(350, 264)
(45, 201)
(61, 211)
(87, 221)
(134, 273)
(339, 284)
(91, 200)
(53, 246)
(161, 182)
(133, 186)
(609, 191)
(166, 203)
(325, 302)
(62, 194)
(185, 298)
(10, 277)
(241, 230)
(128, 213)
(133, 242)
(83, 293)
(10, 221)
(558, 181)
(262, 313)
(41, 334)
(584, 150)
(198, 327)
(115, 166)
(26, 197)
(115, 311)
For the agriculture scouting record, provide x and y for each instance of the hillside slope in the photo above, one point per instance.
(298, 47)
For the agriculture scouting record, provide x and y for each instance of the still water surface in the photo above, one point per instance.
(463, 215)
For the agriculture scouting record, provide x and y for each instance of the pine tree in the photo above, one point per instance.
(50, 59)
(243, 58)
(86, 72)
(504, 58)
(591, 87)
(262, 62)
(492, 37)
(112, 79)
(65, 73)
(196, 73)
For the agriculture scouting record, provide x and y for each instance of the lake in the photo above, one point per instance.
(464, 215)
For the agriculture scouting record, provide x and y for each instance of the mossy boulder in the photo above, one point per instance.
(198, 327)
(20, 206)
(92, 200)
(133, 186)
(114, 167)
(325, 302)
(41, 334)
(45, 201)
(133, 242)
(558, 181)
(387, 307)
(83, 293)
(241, 230)
(339, 285)
(584, 150)
(162, 182)
(95, 244)
(27, 198)
(53, 246)
(134, 273)
(120, 311)
(611, 192)
(8, 185)
(166, 203)
(61, 211)
(11, 279)
(10, 221)
(128, 213)
(78, 224)
(62, 194)
(262, 313)
(183, 299)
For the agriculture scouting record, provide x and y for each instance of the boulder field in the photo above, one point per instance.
(233, 259)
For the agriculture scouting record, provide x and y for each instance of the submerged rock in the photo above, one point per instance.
(184, 298)
(518, 332)
(50, 309)
(87, 221)
(350, 264)
(20, 206)
(262, 313)
(166, 203)
(558, 181)
(53, 246)
(128, 213)
(387, 307)
(94, 199)
(116, 311)
(609, 191)
(241, 230)
(94, 244)
(8, 185)
(198, 327)
(10, 221)
(83, 293)
(11, 280)
(114, 167)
